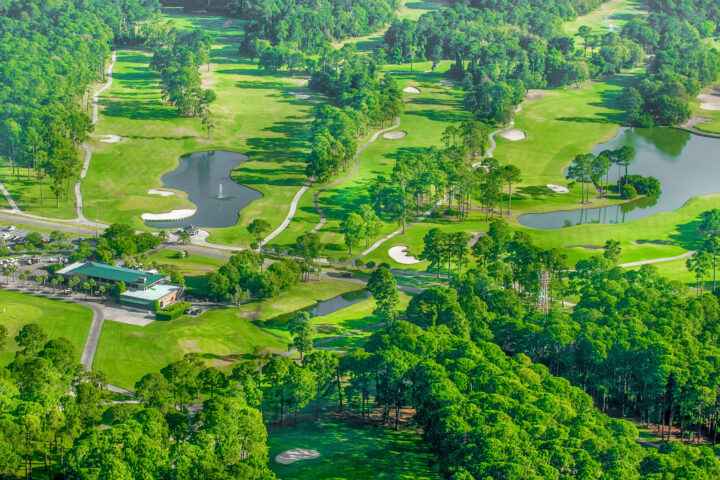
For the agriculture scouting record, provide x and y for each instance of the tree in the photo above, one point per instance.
(211, 378)
(153, 390)
(612, 251)
(580, 170)
(323, 365)
(352, 228)
(3, 337)
(185, 238)
(30, 339)
(712, 247)
(699, 264)
(511, 174)
(258, 228)
(371, 223)
(383, 286)
(710, 223)
(302, 333)
(599, 167)
(584, 32)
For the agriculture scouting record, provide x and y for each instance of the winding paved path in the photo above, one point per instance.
(15, 210)
(289, 217)
(657, 260)
(93, 337)
(323, 219)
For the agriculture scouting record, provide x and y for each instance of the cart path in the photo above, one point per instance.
(355, 169)
(93, 337)
(86, 164)
(290, 215)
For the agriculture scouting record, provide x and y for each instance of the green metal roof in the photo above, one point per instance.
(112, 273)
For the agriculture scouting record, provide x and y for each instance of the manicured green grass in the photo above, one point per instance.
(615, 12)
(425, 117)
(350, 451)
(255, 114)
(56, 318)
(190, 265)
(221, 336)
(414, 9)
(26, 193)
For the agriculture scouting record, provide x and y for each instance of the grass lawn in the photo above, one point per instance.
(191, 265)
(56, 318)
(26, 193)
(425, 117)
(350, 451)
(222, 336)
(255, 114)
(613, 12)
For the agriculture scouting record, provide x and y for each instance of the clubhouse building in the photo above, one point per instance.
(142, 288)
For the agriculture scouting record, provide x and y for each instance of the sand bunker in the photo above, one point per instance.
(535, 94)
(301, 96)
(400, 255)
(163, 193)
(447, 83)
(514, 135)
(411, 90)
(695, 121)
(169, 216)
(291, 456)
(592, 248)
(709, 101)
(558, 188)
(111, 138)
(395, 135)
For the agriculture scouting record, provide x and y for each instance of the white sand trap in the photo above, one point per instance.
(514, 135)
(111, 138)
(709, 101)
(395, 135)
(296, 454)
(400, 255)
(411, 90)
(447, 83)
(301, 96)
(169, 216)
(163, 193)
(558, 188)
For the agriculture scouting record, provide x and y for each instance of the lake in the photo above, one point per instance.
(202, 175)
(687, 166)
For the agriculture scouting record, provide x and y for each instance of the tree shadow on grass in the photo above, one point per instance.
(688, 235)
(444, 116)
(278, 177)
(138, 110)
(535, 192)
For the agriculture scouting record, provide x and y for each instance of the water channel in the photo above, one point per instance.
(205, 177)
(687, 166)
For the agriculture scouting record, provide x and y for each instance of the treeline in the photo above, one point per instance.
(305, 25)
(359, 101)
(177, 57)
(636, 342)
(50, 55)
(682, 62)
(506, 48)
(52, 409)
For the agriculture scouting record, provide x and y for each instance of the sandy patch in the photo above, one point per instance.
(291, 456)
(163, 193)
(169, 216)
(652, 242)
(111, 138)
(514, 135)
(535, 94)
(695, 121)
(400, 255)
(447, 83)
(208, 80)
(558, 188)
(592, 248)
(301, 96)
(709, 101)
(395, 135)
(227, 24)
(411, 90)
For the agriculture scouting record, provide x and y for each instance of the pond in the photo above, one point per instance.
(687, 166)
(205, 177)
(323, 308)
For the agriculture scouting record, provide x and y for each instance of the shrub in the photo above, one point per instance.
(649, 186)
(628, 192)
(173, 311)
(371, 264)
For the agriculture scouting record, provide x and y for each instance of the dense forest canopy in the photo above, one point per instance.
(50, 54)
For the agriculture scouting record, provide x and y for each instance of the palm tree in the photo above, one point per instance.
(185, 238)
